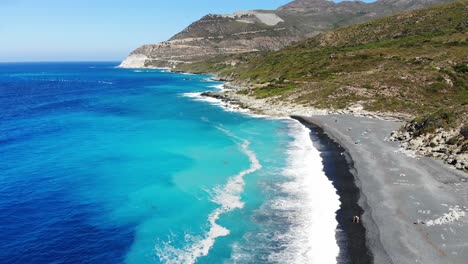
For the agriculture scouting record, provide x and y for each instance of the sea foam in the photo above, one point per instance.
(228, 197)
(217, 86)
(311, 205)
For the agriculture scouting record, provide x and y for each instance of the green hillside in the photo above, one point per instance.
(413, 63)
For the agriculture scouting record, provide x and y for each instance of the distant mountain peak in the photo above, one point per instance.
(306, 5)
(303, 5)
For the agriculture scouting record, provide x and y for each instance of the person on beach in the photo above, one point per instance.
(356, 219)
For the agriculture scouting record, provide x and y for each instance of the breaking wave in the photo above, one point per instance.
(228, 197)
(311, 204)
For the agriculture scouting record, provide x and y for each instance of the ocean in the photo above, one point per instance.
(107, 165)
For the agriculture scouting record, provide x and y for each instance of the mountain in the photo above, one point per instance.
(414, 63)
(258, 30)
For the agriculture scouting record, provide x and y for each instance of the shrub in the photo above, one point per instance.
(435, 87)
(453, 140)
(461, 68)
(464, 131)
(428, 124)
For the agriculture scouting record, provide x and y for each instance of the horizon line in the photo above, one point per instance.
(58, 61)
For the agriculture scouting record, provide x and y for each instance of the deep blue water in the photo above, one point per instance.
(106, 165)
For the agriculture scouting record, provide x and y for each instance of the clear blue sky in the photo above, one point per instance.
(81, 30)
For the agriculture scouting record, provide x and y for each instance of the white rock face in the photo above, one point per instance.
(269, 19)
(134, 61)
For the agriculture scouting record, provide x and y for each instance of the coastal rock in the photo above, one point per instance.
(216, 95)
(448, 145)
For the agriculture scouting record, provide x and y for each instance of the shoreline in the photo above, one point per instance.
(415, 207)
(281, 107)
(435, 144)
(338, 167)
(351, 238)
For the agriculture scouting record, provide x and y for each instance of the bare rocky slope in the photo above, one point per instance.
(258, 30)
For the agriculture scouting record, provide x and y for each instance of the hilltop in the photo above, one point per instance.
(413, 64)
(262, 30)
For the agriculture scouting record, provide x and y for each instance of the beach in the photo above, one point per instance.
(414, 207)
(338, 166)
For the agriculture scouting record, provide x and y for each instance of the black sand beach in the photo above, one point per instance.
(415, 208)
(338, 166)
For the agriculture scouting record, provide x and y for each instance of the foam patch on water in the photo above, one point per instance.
(229, 199)
(210, 79)
(218, 86)
(152, 69)
(311, 206)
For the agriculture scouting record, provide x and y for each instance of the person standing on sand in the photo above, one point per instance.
(356, 219)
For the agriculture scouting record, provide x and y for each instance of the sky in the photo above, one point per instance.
(100, 30)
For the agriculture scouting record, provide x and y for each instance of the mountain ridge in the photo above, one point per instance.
(258, 30)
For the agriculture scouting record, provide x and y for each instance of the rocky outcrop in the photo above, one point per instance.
(449, 145)
(250, 31)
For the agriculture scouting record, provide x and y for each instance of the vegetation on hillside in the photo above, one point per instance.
(415, 63)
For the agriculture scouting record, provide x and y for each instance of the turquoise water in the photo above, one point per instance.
(116, 165)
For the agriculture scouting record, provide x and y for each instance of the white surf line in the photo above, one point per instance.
(311, 204)
(229, 199)
(313, 237)
(218, 86)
